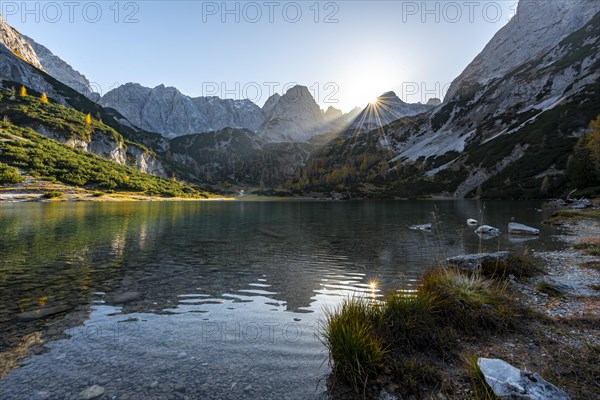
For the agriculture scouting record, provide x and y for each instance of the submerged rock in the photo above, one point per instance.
(472, 262)
(91, 393)
(41, 313)
(126, 297)
(423, 227)
(384, 395)
(509, 382)
(581, 204)
(486, 230)
(520, 229)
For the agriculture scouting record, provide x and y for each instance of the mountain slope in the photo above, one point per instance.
(62, 71)
(44, 158)
(537, 26)
(295, 117)
(494, 136)
(18, 45)
(169, 112)
(236, 156)
(388, 108)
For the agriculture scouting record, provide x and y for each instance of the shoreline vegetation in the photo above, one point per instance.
(538, 313)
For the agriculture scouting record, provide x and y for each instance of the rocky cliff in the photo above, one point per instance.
(62, 71)
(295, 117)
(18, 44)
(538, 26)
(167, 111)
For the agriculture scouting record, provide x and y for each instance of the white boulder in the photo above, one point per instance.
(520, 229)
(486, 230)
(509, 382)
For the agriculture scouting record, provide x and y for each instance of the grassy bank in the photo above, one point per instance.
(22, 149)
(424, 344)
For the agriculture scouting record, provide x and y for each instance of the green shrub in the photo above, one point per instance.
(47, 159)
(468, 303)
(53, 195)
(9, 175)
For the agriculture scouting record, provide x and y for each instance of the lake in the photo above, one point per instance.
(211, 300)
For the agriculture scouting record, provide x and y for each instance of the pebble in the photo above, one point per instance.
(91, 392)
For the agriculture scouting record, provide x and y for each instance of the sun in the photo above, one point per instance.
(374, 101)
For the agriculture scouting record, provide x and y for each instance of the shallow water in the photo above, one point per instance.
(211, 299)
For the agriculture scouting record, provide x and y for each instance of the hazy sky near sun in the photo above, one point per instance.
(346, 52)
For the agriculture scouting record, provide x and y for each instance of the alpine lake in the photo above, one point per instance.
(210, 300)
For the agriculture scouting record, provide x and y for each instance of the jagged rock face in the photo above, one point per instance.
(60, 70)
(387, 109)
(296, 117)
(486, 110)
(537, 26)
(270, 103)
(107, 147)
(14, 70)
(221, 113)
(333, 113)
(17, 44)
(167, 111)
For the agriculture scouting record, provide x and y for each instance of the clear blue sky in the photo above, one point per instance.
(348, 52)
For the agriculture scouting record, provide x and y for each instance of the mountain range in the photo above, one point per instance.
(506, 128)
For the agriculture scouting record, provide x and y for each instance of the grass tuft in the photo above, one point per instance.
(548, 288)
(469, 302)
(517, 265)
(363, 337)
(560, 216)
(416, 377)
(355, 351)
(590, 246)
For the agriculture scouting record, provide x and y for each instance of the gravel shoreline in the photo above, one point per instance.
(564, 270)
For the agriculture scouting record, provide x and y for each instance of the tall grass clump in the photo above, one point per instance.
(520, 266)
(408, 320)
(355, 351)
(363, 337)
(468, 303)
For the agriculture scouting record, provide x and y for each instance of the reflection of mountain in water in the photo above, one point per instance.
(60, 259)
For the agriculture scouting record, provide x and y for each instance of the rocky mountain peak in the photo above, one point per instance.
(333, 113)
(270, 103)
(164, 109)
(434, 101)
(390, 97)
(295, 117)
(388, 108)
(62, 71)
(537, 26)
(18, 45)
